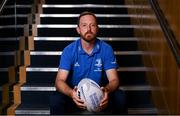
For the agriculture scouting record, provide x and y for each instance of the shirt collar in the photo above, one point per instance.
(95, 49)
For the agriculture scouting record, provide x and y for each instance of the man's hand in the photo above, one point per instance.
(105, 99)
(77, 100)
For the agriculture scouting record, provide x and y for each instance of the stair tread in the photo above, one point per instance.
(51, 87)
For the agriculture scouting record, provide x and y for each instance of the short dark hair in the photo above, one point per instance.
(86, 13)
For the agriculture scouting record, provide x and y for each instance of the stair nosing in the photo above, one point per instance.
(36, 112)
(142, 111)
(3, 69)
(57, 53)
(130, 111)
(149, 16)
(38, 38)
(18, 15)
(7, 53)
(101, 38)
(125, 88)
(94, 6)
(18, 6)
(154, 27)
(121, 69)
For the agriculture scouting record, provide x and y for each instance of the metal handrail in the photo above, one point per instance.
(169, 35)
(2, 5)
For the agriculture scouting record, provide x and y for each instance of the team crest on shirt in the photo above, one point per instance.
(98, 65)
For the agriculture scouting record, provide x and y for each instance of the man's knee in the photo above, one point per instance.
(57, 103)
(119, 102)
(119, 97)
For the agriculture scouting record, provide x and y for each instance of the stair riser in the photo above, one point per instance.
(53, 61)
(60, 45)
(4, 78)
(138, 99)
(11, 32)
(73, 20)
(134, 99)
(79, 10)
(8, 11)
(8, 46)
(7, 61)
(103, 32)
(126, 78)
(11, 21)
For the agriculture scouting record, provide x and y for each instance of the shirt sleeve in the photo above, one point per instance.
(109, 59)
(65, 60)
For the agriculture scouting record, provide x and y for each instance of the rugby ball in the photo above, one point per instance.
(90, 92)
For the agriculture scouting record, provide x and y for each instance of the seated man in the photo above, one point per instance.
(87, 57)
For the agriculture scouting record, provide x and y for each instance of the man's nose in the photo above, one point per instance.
(89, 28)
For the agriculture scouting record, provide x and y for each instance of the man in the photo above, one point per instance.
(87, 57)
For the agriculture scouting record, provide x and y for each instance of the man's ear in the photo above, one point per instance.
(97, 28)
(78, 30)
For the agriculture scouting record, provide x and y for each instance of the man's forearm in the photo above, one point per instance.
(112, 85)
(61, 86)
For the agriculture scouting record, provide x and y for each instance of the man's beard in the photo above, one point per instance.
(88, 37)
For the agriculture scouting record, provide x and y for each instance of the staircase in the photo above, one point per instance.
(12, 18)
(57, 29)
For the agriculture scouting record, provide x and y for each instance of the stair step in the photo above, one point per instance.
(126, 78)
(137, 95)
(100, 26)
(11, 31)
(41, 87)
(73, 20)
(128, 75)
(129, 69)
(57, 44)
(84, 2)
(28, 109)
(145, 16)
(124, 59)
(38, 38)
(3, 77)
(20, 2)
(45, 111)
(69, 26)
(8, 46)
(84, 5)
(58, 10)
(104, 32)
(60, 45)
(7, 59)
(142, 111)
(20, 9)
(10, 20)
(13, 15)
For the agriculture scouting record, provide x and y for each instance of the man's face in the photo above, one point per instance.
(88, 28)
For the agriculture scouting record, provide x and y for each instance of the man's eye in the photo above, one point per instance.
(93, 25)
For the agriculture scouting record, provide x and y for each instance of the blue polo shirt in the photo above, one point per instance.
(82, 65)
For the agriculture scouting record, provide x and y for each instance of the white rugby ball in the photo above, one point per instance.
(90, 92)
